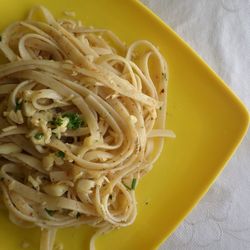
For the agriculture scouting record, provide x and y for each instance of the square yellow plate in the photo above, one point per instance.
(207, 117)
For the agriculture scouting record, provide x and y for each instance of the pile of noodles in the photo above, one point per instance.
(82, 119)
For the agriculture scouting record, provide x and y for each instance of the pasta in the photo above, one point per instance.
(82, 119)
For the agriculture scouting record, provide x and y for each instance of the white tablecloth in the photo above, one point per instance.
(219, 30)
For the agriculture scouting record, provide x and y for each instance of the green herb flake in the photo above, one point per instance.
(75, 120)
(60, 154)
(129, 188)
(133, 185)
(18, 105)
(50, 212)
(39, 136)
(57, 121)
(78, 215)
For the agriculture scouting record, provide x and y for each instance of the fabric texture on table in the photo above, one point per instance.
(219, 30)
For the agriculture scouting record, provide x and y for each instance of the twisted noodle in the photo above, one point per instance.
(82, 120)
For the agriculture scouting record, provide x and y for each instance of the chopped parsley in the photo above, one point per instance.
(126, 186)
(39, 136)
(18, 105)
(75, 120)
(133, 185)
(56, 121)
(60, 154)
(50, 212)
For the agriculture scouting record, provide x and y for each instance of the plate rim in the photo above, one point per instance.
(243, 127)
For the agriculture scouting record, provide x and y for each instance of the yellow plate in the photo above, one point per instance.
(208, 119)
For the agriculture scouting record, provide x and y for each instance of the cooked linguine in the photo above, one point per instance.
(82, 119)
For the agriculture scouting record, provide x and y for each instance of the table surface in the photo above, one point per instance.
(222, 218)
